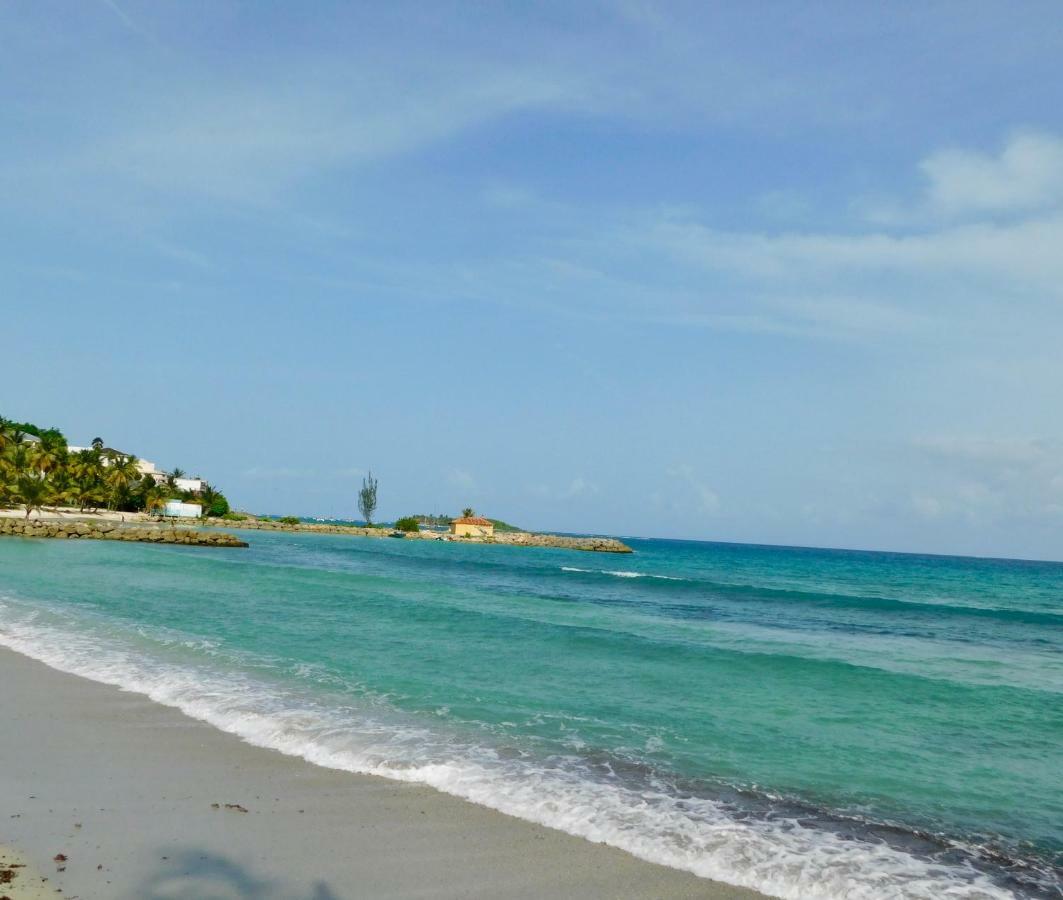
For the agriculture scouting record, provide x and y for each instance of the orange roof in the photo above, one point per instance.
(472, 520)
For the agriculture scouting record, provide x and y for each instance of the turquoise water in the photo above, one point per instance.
(809, 723)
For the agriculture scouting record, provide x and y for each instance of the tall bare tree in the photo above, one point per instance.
(367, 498)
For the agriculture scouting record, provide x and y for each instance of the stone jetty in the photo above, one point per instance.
(511, 538)
(79, 529)
(559, 541)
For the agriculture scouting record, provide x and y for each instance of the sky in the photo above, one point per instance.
(767, 272)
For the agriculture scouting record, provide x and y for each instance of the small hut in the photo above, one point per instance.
(472, 526)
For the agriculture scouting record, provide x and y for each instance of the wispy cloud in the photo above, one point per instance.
(1026, 175)
(247, 143)
(460, 478)
(577, 487)
(118, 11)
(704, 498)
(902, 279)
(984, 479)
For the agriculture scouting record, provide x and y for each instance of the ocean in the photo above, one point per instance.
(808, 723)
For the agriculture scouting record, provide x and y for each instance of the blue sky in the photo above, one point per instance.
(771, 272)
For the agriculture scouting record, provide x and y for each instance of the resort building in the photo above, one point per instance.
(143, 466)
(472, 526)
(146, 467)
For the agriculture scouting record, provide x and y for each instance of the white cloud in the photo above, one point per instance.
(910, 277)
(1027, 252)
(577, 487)
(248, 141)
(982, 479)
(1026, 175)
(1022, 452)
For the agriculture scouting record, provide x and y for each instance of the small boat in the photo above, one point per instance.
(397, 533)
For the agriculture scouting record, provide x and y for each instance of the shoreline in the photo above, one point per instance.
(500, 538)
(109, 530)
(110, 778)
(106, 524)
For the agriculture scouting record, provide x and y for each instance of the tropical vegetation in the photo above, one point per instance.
(39, 470)
(438, 520)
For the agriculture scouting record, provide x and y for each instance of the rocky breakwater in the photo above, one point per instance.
(311, 527)
(78, 529)
(560, 541)
(511, 538)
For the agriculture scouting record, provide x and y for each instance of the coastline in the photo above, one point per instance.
(502, 538)
(108, 530)
(105, 525)
(109, 778)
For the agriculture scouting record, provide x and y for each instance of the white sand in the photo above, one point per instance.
(125, 789)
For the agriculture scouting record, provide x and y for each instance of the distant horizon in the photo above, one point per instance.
(644, 537)
(699, 271)
(781, 544)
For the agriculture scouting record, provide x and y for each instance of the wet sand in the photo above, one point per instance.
(147, 803)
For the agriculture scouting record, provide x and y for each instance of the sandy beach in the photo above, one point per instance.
(144, 802)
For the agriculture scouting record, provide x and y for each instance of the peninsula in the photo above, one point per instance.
(507, 538)
(99, 493)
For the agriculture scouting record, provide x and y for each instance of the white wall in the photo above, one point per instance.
(182, 510)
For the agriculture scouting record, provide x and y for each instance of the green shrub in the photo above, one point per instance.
(406, 523)
(289, 520)
(234, 517)
(219, 506)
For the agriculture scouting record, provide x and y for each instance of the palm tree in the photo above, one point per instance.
(468, 512)
(32, 492)
(121, 473)
(7, 446)
(87, 494)
(97, 443)
(154, 499)
(61, 488)
(51, 451)
(7, 433)
(213, 500)
(208, 495)
(22, 458)
(86, 468)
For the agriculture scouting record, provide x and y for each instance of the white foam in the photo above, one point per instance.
(780, 857)
(620, 574)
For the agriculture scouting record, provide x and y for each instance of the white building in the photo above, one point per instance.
(180, 510)
(147, 467)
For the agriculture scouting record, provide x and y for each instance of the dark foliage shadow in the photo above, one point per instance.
(203, 875)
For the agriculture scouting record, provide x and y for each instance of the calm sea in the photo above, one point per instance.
(810, 723)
